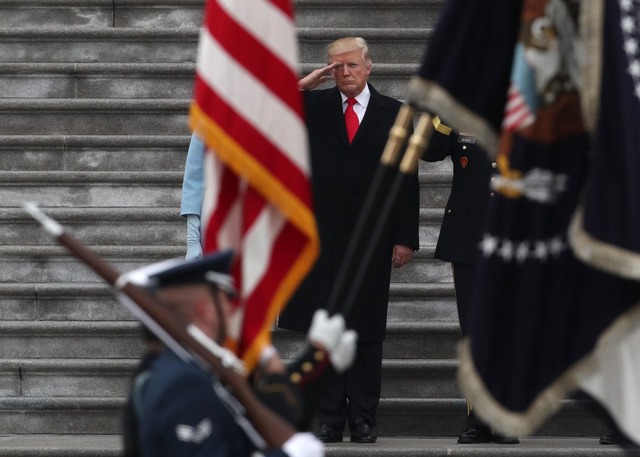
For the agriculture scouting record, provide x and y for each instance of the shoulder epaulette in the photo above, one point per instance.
(440, 127)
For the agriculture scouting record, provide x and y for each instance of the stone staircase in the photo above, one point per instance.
(93, 128)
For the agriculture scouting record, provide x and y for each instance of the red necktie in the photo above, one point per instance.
(351, 119)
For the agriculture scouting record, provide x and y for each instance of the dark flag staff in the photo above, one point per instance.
(396, 165)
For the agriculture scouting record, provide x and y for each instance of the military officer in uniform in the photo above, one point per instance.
(461, 232)
(181, 409)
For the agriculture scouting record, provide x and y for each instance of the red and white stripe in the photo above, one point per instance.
(248, 110)
(517, 113)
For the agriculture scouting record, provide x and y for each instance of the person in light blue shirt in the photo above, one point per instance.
(193, 196)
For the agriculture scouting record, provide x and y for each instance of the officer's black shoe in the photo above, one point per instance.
(330, 434)
(363, 433)
(505, 439)
(610, 438)
(475, 434)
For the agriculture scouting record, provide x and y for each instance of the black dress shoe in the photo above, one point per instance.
(505, 439)
(610, 438)
(330, 434)
(475, 434)
(363, 433)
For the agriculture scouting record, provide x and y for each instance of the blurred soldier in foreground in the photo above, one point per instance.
(180, 409)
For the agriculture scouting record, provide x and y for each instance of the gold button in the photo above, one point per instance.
(295, 377)
(319, 355)
(307, 367)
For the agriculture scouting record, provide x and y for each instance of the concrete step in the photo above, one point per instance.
(404, 340)
(146, 80)
(121, 339)
(423, 268)
(543, 446)
(422, 302)
(387, 45)
(50, 377)
(538, 446)
(61, 415)
(445, 417)
(418, 378)
(102, 13)
(176, 45)
(93, 152)
(97, 80)
(135, 226)
(54, 264)
(92, 189)
(72, 340)
(54, 377)
(370, 13)
(51, 263)
(127, 152)
(443, 167)
(98, 226)
(430, 222)
(188, 13)
(435, 188)
(95, 301)
(93, 117)
(76, 44)
(56, 445)
(61, 302)
(396, 417)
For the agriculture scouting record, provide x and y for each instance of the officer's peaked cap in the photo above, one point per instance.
(212, 269)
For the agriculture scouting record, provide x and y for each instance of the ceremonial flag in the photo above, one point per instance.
(248, 111)
(551, 89)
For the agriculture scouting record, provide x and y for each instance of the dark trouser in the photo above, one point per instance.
(463, 283)
(355, 394)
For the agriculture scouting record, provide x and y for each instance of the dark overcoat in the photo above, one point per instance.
(342, 175)
(466, 209)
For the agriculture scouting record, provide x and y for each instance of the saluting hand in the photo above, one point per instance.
(316, 77)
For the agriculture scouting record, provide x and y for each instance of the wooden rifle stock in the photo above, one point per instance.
(272, 428)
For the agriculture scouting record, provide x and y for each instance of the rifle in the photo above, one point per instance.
(266, 428)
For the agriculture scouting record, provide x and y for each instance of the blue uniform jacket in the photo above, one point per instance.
(181, 415)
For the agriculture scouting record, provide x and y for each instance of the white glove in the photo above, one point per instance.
(325, 330)
(303, 445)
(194, 245)
(331, 333)
(267, 353)
(342, 356)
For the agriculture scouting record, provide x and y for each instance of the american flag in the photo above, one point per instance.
(248, 111)
(557, 293)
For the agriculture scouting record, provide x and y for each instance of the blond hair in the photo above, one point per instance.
(348, 44)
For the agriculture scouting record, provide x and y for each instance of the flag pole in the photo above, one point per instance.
(270, 426)
(389, 161)
(395, 168)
